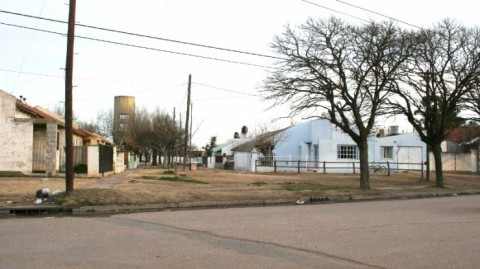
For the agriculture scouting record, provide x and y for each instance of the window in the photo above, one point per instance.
(124, 116)
(347, 152)
(123, 126)
(386, 152)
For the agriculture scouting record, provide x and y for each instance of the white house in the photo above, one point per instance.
(318, 144)
(223, 153)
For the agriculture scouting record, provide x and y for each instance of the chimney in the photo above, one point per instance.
(244, 131)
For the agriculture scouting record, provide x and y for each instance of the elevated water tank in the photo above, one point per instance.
(393, 130)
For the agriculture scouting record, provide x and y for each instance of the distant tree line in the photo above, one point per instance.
(155, 134)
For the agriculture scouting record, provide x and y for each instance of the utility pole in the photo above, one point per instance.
(186, 124)
(191, 129)
(68, 98)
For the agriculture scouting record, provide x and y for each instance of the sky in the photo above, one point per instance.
(226, 79)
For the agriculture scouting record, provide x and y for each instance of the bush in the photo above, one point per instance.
(80, 168)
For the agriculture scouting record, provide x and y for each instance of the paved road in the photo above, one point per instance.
(424, 233)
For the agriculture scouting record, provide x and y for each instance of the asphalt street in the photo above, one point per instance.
(417, 233)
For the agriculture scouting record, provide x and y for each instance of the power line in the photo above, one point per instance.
(135, 46)
(377, 13)
(331, 9)
(226, 90)
(83, 78)
(28, 48)
(145, 36)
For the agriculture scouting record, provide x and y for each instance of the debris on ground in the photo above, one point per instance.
(44, 194)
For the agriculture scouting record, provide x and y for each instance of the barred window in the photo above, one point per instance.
(347, 152)
(386, 152)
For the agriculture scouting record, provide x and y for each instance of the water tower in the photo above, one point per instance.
(123, 115)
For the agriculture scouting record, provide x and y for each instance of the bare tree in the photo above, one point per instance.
(138, 132)
(341, 72)
(102, 125)
(165, 133)
(266, 141)
(443, 71)
(104, 122)
(473, 104)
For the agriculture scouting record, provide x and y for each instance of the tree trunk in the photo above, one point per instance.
(437, 155)
(154, 157)
(364, 173)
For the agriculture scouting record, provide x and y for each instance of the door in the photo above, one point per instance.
(409, 158)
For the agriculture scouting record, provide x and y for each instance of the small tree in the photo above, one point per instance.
(266, 141)
(443, 70)
(209, 147)
(341, 72)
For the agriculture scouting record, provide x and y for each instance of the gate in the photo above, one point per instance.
(79, 156)
(38, 157)
(105, 159)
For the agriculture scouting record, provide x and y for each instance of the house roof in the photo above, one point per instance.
(41, 113)
(459, 135)
(248, 146)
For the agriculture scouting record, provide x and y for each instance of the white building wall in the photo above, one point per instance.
(93, 161)
(299, 142)
(16, 137)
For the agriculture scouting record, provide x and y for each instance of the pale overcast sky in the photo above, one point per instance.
(224, 93)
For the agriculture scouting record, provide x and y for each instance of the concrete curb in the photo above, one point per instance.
(42, 210)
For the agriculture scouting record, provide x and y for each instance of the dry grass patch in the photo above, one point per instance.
(154, 185)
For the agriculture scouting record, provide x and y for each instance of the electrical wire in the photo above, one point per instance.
(135, 46)
(28, 48)
(226, 90)
(145, 36)
(378, 13)
(331, 9)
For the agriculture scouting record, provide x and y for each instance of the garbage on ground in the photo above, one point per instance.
(44, 194)
(56, 192)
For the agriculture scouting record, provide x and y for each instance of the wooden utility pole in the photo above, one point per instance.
(68, 98)
(185, 144)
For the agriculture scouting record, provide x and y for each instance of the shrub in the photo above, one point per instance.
(80, 168)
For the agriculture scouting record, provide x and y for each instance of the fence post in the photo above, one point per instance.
(421, 168)
(298, 165)
(388, 168)
(353, 168)
(275, 166)
(324, 169)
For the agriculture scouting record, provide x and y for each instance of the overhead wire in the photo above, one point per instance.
(28, 48)
(135, 46)
(378, 13)
(223, 89)
(145, 36)
(334, 10)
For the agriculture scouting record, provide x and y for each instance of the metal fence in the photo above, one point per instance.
(80, 156)
(288, 164)
(105, 158)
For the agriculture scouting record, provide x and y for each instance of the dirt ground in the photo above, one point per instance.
(153, 185)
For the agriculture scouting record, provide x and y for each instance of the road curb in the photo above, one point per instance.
(36, 210)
